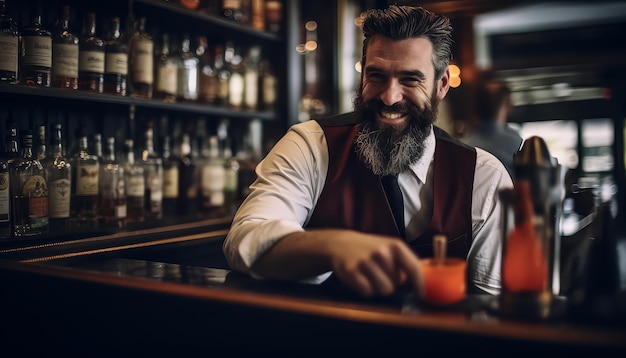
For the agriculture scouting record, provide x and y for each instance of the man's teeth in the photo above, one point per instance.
(391, 115)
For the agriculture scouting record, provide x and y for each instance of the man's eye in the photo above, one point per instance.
(411, 81)
(376, 77)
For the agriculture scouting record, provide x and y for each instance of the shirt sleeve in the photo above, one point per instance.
(484, 257)
(288, 183)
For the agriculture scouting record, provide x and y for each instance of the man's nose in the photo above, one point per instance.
(392, 93)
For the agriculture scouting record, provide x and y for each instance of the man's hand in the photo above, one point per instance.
(370, 264)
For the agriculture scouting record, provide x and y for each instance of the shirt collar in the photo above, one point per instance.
(420, 167)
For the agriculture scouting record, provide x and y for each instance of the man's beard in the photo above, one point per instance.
(386, 150)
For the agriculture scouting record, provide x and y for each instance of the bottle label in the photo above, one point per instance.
(116, 63)
(188, 80)
(230, 181)
(269, 89)
(91, 61)
(143, 64)
(167, 79)
(251, 93)
(120, 211)
(170, 183)
(36, 190)
(8, 53)
(135, 186)
(37, 51)
(59, 198)
(4, 194)
(87, 179)
(65, 62)
(235, 89)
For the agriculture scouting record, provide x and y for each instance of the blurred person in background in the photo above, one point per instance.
(491, 132)
(320, 208)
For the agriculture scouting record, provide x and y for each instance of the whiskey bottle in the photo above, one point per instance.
(29, 192)
(166, 84)
(171, 167)
(112, 190)
(36, 59)
(64, 54)
(187, 72)
(188, 179)
(212, 178)
(5, 197)
(236, 82)
(116, 60)
(91, 58)
(223, 77)
(268, 86)
(273, 15)
(12, 151)
(207, 83)
(251, 78)
(41, 143)
(231, 179)
(85, 176)
(141, 61)
(59, 175)
(135, 185)
(153, 173)
(9, 54)
(257, 18)
(232, 9)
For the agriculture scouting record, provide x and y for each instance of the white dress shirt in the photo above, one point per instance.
(291, 178)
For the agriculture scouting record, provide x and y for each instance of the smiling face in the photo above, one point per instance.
(398, 102)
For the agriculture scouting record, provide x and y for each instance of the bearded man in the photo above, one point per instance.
(320, 203)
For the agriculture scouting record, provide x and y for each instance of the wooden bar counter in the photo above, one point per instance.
(158, 295)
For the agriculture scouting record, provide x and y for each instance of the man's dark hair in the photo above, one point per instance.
(490, 96)
(404, 22)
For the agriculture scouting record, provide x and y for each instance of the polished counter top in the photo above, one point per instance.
(242, 303)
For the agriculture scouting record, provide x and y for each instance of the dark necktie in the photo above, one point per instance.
(394, 195)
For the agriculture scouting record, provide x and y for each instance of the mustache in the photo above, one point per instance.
(378, 105)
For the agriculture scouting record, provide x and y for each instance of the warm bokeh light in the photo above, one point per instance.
(310, 25)
(455, 82)
(455, 71)
(357, 66)
(310, 46)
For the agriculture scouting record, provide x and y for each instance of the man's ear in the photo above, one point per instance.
(443, 84)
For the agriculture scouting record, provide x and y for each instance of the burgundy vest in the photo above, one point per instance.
(354, 198)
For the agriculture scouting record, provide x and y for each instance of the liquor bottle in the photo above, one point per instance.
(257, 15)
(97, 147)
(212, 178)
(166, 84)
(187, 72)
(41, 143)
(12, 151)
(9, 39)
(223, 77)
(59, 175)
(231, 179)
(36, 59)
(85, 186)
(232, 56)
(91, 58)
(29, 192)
(153, 173)
(64, 54)
(171, 166)
(190, 4)
(207, 83)
(116, 60)
(141, 61)
(273, 15)
(232, 9)
(268, 86)
(251, 78)
(5, 200)
(112, 190)
(135, 184)
(187, 180)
